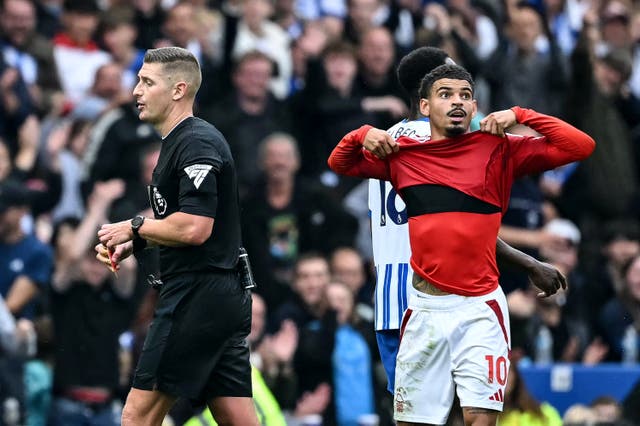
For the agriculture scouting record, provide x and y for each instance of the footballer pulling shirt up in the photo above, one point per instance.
(467, 181)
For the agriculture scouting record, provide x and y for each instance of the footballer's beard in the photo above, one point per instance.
(455, 130)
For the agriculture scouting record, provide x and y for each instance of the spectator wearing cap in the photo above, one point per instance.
(567, 237)
(25, 262)
(562, 252)
(617, 67)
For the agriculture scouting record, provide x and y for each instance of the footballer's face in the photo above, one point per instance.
(450, 107)
(152, 94)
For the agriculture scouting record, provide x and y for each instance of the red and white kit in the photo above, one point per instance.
(456, 191)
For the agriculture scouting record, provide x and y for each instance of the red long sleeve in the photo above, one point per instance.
(564, 143)
(349, 159)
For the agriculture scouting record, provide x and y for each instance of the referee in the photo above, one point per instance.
(196, 346)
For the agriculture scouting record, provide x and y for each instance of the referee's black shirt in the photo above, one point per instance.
(195, 174)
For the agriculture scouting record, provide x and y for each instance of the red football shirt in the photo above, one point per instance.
(468, 180)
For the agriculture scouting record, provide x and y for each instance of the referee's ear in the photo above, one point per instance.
(180, 90)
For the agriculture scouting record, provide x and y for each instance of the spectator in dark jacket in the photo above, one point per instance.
(283, 216)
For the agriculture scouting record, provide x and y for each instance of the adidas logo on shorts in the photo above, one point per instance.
(497, 396)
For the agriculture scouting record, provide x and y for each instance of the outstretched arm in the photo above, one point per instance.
(565, 143)
(350, 159)
(561, 143)
(544, 276)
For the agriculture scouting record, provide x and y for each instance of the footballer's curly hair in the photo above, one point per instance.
(413, 67)
(454, 72)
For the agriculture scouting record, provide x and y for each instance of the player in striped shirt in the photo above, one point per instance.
(389, 230)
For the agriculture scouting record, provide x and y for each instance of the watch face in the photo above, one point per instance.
(136, 222)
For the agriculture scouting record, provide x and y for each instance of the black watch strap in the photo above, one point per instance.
(136, 223)
(139, 244)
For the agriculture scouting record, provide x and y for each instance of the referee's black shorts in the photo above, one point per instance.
(196, 346)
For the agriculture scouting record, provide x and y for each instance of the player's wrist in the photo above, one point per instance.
(136, 224)
(519, 115)
(530, 264)
(361, 133)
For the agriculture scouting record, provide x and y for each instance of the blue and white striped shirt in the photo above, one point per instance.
(390, 239)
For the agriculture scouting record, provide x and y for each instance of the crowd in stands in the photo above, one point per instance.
(284, 80)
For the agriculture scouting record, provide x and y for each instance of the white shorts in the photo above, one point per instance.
(451, 343)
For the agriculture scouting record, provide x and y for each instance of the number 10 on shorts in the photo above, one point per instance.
(497, 369)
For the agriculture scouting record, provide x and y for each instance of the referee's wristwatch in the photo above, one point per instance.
(136, 223)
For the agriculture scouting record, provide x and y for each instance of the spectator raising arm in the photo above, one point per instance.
(73, 249)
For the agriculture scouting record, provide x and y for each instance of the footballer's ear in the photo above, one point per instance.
(424, 107)
(475, 108)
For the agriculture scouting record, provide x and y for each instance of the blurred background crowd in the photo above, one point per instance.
(284, 80)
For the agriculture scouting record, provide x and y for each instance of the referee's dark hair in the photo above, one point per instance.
(177, 62)
(454, 72)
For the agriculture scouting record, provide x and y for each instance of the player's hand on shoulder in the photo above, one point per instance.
(497, 122)
(379, 143)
